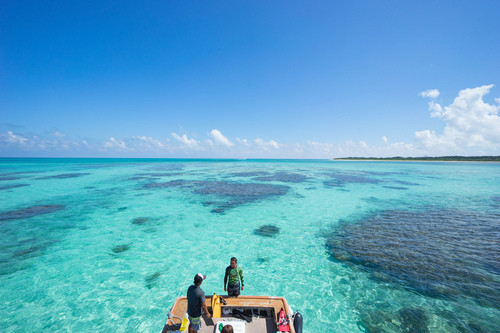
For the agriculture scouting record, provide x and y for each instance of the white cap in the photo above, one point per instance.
(199, 277)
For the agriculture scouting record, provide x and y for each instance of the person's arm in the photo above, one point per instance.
(241, 278)
(225, 278)
(204, 306)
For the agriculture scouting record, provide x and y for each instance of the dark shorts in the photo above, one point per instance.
(233, 289)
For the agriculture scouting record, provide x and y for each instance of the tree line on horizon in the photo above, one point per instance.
(429, 158)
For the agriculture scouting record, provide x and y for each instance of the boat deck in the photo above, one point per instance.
(262, 311)
(258, 325)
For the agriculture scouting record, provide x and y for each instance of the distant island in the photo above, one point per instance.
(426, 158)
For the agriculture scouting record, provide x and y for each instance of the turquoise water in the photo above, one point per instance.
(107, 245)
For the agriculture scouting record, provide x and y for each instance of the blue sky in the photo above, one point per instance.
(249, 79)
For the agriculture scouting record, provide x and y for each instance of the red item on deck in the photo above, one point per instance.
(283, 324)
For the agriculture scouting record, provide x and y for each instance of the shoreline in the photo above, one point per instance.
(416, 161)
(476, 159)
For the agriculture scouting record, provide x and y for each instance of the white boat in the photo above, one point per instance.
(246, 314)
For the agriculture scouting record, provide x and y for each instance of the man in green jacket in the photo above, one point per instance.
(232, 278)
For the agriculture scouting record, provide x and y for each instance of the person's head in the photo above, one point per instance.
(234, 262)
(198, 278)
(227, 329)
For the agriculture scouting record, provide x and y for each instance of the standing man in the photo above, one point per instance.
(196, 301)
(232, 278)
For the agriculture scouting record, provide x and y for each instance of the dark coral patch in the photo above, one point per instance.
(239, 194)
(222, 206)
(438, 253)
(249, 191)
(403, 182)
(2, 178)
(267, 231)
(141, 178)
(140, 220)
(121, 248)
(496, 201)
(381, 173)
(16, 254)
(340, 179)
(332, 184)
(285, 177)
(161, 174)
(152, 280)
(250, 174)
(413, 320)
(9, 187)
(30, 212)
(17, 173)
(168, 167)
(218, 210)
(404, 320)
(66, 175)
(172, 183)
(29, 252)
(395, 187)
(233, 194)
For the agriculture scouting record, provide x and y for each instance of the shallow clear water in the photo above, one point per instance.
(107, 245)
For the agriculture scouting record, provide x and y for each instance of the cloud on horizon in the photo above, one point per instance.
(113, 143)
(192, 143)
(267, 145)
(471, 127)
(219, 138)
(10, 137)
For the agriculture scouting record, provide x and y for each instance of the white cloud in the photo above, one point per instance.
(403, 147)
(363, 149)
(471, 127)
(13, 144)
(471, 124)
(298, 148)
(115, 144)
(149, 142)
(58, 134)
(431, 93)
(266, 145)
(220, 138)
(316, 149)
(10, 137)
(184, 140)
(243, 141)
(436, 109)
(188, 147)
(259, 142)
(274, 144)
